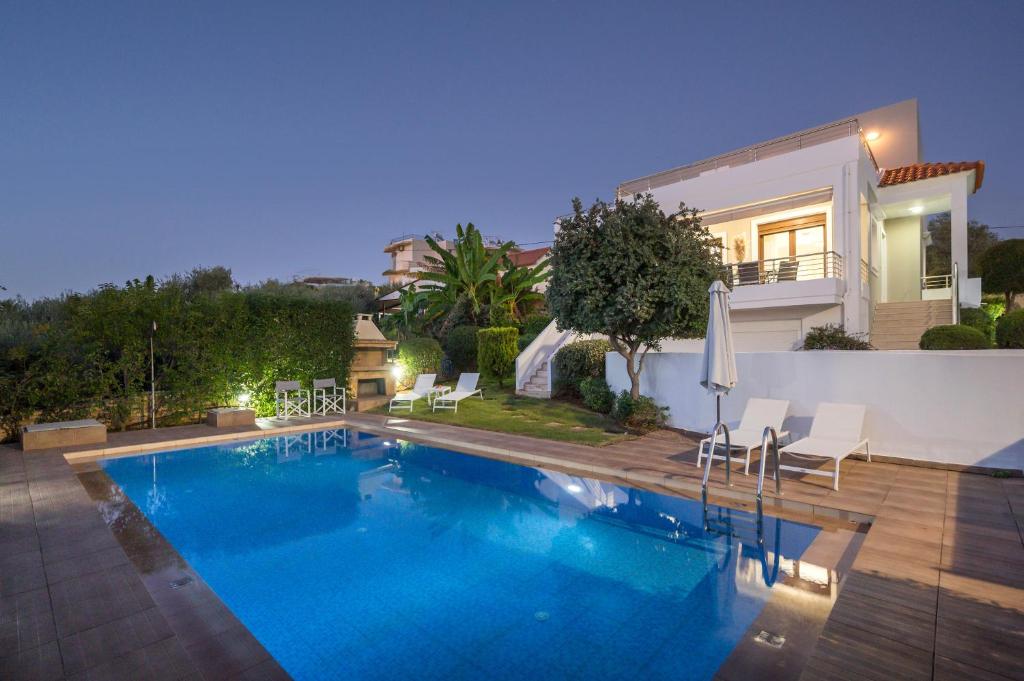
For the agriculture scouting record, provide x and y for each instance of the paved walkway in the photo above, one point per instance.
(935, 592)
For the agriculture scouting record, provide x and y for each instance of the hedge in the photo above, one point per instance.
(419, 356)
(953, 337)
(576, 361)
(460, 346)
(535, 323)
(87, 355)
(496, 352)
(976, 318)
(833, 337)
(1010, 330)
(597, 395)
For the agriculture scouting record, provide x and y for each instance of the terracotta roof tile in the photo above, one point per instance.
(528, 258)
(923, 171)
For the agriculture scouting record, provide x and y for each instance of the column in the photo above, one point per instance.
(958, 230)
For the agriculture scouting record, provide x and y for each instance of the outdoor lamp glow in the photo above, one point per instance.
(397, 371)
(916, 210)
(872, 135)
(243, 399)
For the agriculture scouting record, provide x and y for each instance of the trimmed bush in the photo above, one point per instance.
(525, 340)
(1010, 330)
(496, 352)
(640, 415)
(500, 316)
(461, 347)
(419, 356)
(576, 361)
(833, 337)
(597, 395)
(976, 318)
(953, 337)
(535, 323)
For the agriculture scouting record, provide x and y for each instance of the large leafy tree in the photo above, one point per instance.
(1002, 269)
(634, 274)
(938, 258)
(468, 271)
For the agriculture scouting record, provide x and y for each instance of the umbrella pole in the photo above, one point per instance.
(718, 408)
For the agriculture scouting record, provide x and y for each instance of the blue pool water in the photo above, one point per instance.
(353, 556)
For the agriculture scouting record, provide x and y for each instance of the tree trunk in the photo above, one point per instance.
(633, 369)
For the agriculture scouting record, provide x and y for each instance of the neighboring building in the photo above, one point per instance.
(826, 226)
(530, 258)
(409, 252)
(331, 282)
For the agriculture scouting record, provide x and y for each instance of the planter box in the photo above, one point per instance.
(62, 434)
(228, 417)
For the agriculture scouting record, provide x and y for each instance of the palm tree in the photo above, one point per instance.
(469, 271)
(515, 286)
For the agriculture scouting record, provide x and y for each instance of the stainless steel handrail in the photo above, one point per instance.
(769, 576)
(936, 281)
(711, 451)
(764, 457)
(955, 293)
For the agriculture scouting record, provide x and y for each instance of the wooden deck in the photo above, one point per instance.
(936, 590)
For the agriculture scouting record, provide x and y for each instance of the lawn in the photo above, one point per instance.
(503, 411)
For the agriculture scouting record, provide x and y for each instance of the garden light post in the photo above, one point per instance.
(152, 378)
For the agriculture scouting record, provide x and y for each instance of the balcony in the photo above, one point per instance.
(812, 279)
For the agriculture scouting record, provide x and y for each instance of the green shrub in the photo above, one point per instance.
(496, 352)
(639, 415)
(953, 337)
(460, 347)
(500, 316)
(833, 337)
(977, 318)
(525, 340)
(535, 323)
(576, 361)
(419, 356)
(1010, 330)
(597, 395)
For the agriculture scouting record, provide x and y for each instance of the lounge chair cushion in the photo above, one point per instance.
(823, 447)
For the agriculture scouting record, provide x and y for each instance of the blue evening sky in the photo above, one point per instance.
(284, 138)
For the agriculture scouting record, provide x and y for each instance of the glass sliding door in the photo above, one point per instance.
(794, 249)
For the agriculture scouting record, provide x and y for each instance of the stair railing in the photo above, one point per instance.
(955, 293)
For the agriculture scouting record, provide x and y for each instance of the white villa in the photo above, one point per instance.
(826, 225)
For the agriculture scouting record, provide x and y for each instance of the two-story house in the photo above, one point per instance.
(821, 226)
(826, 225)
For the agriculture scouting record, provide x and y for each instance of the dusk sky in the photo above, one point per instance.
(296, 138)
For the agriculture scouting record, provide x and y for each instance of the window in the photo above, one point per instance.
(787, 238)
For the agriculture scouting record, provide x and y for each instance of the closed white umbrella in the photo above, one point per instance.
(718, 370)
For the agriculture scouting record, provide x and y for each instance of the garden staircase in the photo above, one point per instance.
(538, 384)
(898, 326)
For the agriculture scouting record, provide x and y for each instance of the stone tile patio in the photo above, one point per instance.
(936, 590)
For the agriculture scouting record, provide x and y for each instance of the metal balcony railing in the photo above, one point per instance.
(828, 265)
(936, 281)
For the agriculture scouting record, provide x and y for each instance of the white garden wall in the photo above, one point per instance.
(952, 407)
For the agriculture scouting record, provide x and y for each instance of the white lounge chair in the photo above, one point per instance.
(291, 400)
(758, 413)
(837, 432)
(423, 387)
(466, 387)
(327, 398)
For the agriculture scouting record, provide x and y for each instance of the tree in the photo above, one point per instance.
(938, 257)
(1002, 269)
(630, 272)
(469, 271)
(515, 286)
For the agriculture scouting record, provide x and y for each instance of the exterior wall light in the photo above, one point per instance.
(872, 135)
(916, 210)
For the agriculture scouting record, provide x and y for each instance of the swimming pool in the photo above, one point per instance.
(352, 555)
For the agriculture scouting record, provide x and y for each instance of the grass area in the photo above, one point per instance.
(503, 411)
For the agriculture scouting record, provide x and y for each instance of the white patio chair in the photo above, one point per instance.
(466, 387)
(758, 413)
(290, 400)
(837, 432)
(423, 387)
(327, 398)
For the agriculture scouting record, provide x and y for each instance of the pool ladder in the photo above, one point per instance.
(768, 435)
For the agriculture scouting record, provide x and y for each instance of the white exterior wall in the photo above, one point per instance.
(950, 407)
